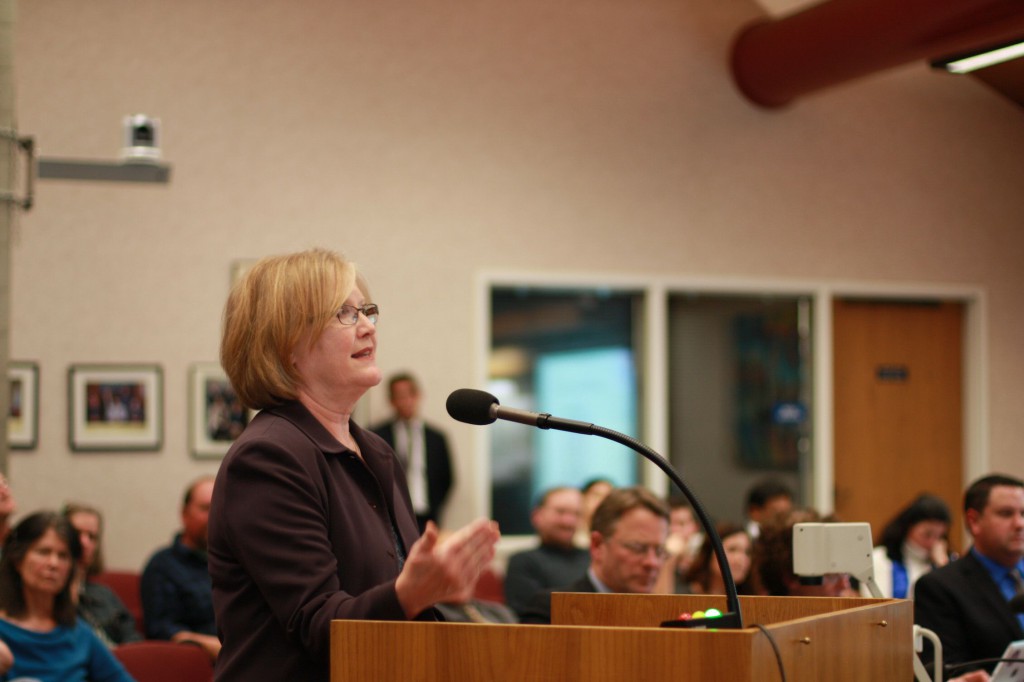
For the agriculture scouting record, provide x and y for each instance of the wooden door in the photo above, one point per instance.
(898, 414)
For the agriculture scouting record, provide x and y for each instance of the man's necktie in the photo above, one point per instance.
(405, 456)
(1018, 580)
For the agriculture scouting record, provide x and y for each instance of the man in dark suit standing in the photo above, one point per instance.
(627, 548)
(422, 449)
(966, 602)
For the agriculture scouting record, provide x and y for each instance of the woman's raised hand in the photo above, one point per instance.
(445, 571)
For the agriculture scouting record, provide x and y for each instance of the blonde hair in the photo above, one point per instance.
(278, 303)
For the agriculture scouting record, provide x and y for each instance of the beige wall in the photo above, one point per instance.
(435, 140)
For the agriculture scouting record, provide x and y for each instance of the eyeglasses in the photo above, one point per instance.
(641, 549)
(349, 314)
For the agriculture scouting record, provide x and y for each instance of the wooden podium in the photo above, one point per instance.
(616, 637)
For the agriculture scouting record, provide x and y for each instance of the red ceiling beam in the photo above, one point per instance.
(774, 61)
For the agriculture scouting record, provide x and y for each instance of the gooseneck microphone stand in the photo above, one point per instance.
(733, 618)
(481, 408)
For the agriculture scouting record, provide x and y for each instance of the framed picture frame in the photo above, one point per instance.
(115, 407)
(216, 416)
(23, 417)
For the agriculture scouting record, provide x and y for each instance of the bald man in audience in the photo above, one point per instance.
(177, 594)
(557, 560)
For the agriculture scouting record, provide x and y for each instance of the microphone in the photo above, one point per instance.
(471, 406)
(1017, 603)
(481, 408)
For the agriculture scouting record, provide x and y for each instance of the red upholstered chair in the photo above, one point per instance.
(491, 586)
(159, 661)
(125, 584)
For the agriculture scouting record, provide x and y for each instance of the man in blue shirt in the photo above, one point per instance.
(177, 596)
(966, 602)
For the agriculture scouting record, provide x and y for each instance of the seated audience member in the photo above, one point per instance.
(594, 491)
(7, 508)
(627, 548)
(773, 563)
(705, 576)
(97, 604)
(769, 498)
(177, 597)
(45, 641)
(684, 540)
(556, 561)
(966, 601)
(911, 544)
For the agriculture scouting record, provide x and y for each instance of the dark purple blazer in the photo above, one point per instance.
(302, 533)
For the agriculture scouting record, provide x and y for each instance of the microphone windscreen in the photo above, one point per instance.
(471, 406)
(1017, 603)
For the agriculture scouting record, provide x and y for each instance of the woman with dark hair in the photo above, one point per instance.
(911, 544)
(705, 576)
(37, 613)
(98, 605)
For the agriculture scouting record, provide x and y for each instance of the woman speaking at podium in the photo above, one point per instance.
(311, 519)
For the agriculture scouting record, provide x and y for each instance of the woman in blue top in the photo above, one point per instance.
(37, 614)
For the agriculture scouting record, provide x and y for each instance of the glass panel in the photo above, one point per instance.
(569, 353)
(740, 395)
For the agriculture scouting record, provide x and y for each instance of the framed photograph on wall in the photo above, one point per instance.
(115, 407)
(216, 416)
(23, 418)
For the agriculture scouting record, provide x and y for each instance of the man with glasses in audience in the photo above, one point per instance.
(627, 549)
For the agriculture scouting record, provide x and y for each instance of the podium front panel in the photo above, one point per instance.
(819, 639)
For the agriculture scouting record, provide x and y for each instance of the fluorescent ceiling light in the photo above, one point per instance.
(973, 62)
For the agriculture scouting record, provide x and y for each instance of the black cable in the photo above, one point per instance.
(953, 667)
(733, 618)
(775, 648)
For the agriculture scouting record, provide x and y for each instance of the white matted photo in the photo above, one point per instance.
(216, 416)
(23, 417)
(115, 407)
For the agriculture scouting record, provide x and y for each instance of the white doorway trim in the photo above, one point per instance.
(656, 292)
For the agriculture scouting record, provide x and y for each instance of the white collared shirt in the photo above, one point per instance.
(414, 459)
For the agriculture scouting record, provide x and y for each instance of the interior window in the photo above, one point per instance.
(570, 353)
